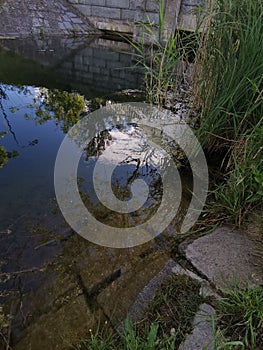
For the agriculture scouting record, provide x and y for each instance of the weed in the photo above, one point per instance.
(241, 315)
(161, 59)
(167, 320)
(174, 306)
(228, 87)
(41, 33)
(230, 81)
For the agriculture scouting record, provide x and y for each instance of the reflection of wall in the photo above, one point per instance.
(103, 66)
(93, 66)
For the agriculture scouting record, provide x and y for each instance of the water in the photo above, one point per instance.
(45, 88)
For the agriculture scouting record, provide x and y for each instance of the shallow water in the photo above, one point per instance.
(39, 251)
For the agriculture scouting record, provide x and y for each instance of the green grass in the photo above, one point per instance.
(164, 324)
(240, 315)
(161, 58)
(229, 94)
(238, 323)
(230, 81)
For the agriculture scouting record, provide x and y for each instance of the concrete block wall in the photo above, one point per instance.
(118, 15)
(122, 15)
(123, 10)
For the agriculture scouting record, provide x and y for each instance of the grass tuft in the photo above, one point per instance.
(241, 315)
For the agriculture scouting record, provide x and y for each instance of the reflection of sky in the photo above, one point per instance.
(26, 182)
(130, 145)
(127, 157)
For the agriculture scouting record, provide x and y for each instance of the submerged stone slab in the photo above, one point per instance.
(60, 329)
(117, 298)
(227, 255)
(202, 336)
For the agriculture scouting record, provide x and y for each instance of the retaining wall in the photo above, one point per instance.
(122, 15)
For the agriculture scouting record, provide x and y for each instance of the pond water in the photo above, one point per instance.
(45, 88)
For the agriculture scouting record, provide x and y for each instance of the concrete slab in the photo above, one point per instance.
(60, 329)
(117, 299)
(227, 255)
(202, 334)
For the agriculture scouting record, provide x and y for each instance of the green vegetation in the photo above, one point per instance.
(65, 107)
(161, 58)
(228, 88)
(3, 156)
(227, 84)
(227, 95)
(165, 323)
(240, 315)
(168, 319)
(174, 307)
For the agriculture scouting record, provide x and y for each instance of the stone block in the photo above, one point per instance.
(105, 12)
(76, 20)
(225, 256)
(94, 69)
(111, 55)
(152, 5)
(188, 9)
(130, 284)
(138, 5)
(153, 17)
(95, 2)
(60, 329)
(202, 336)
(128, 15)
(114, 64)
(194, 2)
(121, 4)
(84, 9)
(147, 17)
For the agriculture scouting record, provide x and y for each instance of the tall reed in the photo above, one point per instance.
(228, 86)
(160, 54)
(229, 72)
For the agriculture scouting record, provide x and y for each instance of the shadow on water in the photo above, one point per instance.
(45, 88)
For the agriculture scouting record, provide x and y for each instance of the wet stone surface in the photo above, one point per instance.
(62, 328)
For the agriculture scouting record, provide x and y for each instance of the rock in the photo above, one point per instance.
(60, 329)
(117, 298)
(202, 335)
(227, 255)
(147, 293)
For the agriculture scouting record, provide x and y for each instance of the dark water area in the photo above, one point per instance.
(31, 127)
(46, 86)
(91, 66)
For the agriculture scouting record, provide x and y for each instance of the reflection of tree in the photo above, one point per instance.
(98, 144)
(4, 154)
(64, 106)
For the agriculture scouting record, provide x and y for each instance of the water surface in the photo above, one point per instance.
(46, 86)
